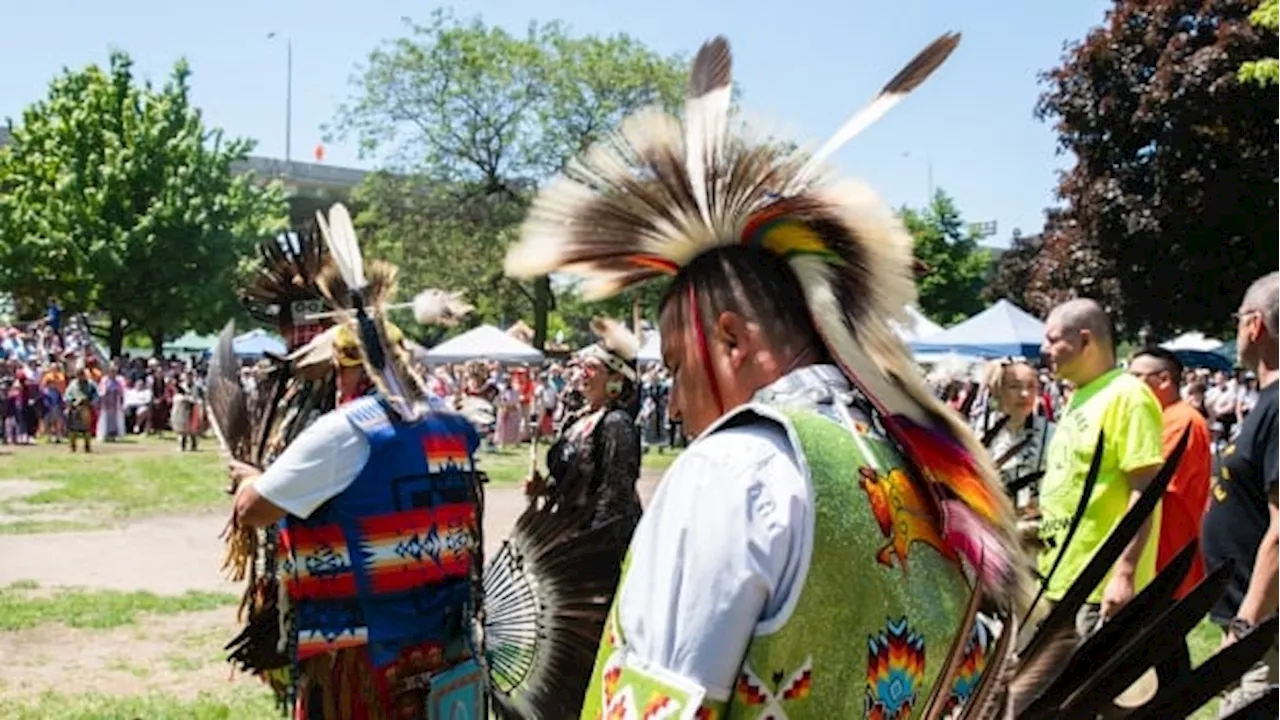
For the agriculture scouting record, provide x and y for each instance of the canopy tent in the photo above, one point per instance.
(1194, 341)
(1202, 359)
(190, 344)
(924, 327)
(256, 343)
(1002, 329)
(482, 343)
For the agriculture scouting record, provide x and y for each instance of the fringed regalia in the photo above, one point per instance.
(548, 590)
(379, 585)
(665, 191)
(288, 396)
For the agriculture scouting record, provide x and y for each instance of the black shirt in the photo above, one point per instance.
(1244, 478)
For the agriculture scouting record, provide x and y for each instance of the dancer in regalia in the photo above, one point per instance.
(379, 511)
(548, 590)
(288, 395)
(82, 396)
(834, 542)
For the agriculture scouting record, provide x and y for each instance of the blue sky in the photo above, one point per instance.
(804, 65)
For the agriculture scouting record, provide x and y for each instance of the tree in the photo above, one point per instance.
(1009, 277)
(951, 287)
(115, 197)
(482, 116)
(1170, 209)
(1265, 71)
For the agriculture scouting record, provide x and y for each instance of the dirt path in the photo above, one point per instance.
(171, 654)
(171, 555)
(176, 655)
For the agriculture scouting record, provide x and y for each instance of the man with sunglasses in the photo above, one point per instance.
(1240, 523)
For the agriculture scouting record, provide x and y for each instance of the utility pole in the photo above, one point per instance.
(288, 97)
(288, 103)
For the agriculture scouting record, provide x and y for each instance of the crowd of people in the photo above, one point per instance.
(58, 387)
(1040, 422)
(535, 400)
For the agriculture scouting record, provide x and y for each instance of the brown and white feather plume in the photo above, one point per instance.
(616, 338)
(632, 208)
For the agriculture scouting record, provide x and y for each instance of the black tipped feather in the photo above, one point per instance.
(712, 68)
(922, 65)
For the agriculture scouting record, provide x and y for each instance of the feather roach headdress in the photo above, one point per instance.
(617, 347)
(361, 294)
(283, 289)
(664, 190)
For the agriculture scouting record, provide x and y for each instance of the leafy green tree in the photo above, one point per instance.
(1265, 71)
(479, 116)
(956, 267)
(115, 197)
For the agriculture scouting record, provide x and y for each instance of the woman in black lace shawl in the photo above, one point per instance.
(596, 460)
(548, 590)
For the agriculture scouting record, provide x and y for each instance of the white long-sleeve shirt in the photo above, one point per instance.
(722, 549)
(320, 463)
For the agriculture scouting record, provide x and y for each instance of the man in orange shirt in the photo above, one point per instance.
(1188, 491)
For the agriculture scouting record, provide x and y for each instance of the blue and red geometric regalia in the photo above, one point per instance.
(380, 578)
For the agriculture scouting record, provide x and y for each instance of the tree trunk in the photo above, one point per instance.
(541, 306)
(115, 336)
(157, 343)
(637, 316)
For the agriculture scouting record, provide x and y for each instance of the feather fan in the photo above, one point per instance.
(547, 595)
(228, 405)
(631, 209)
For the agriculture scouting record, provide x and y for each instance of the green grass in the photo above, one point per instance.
(243, 702)
(510, 466)
(22, 606)
(1203, 642)
(139, 477)
(134, 477)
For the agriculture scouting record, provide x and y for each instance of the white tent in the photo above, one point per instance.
(651, 347)
(924, 327)
(483, 343)
(1192, 341)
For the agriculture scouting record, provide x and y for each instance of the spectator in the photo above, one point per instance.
(1080, 347)
(1240, 524)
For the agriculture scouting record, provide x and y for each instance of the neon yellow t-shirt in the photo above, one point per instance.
(1123, 408)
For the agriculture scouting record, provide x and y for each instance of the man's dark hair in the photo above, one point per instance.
(751, 282)
(1169, 362)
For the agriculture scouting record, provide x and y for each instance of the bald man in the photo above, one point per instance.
(1079, 345)
(1240, 524)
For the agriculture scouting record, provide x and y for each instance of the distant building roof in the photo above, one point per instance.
(302, 174)
(297, 174)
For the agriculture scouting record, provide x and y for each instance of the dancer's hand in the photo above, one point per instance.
(534, 485)
(239, 472)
